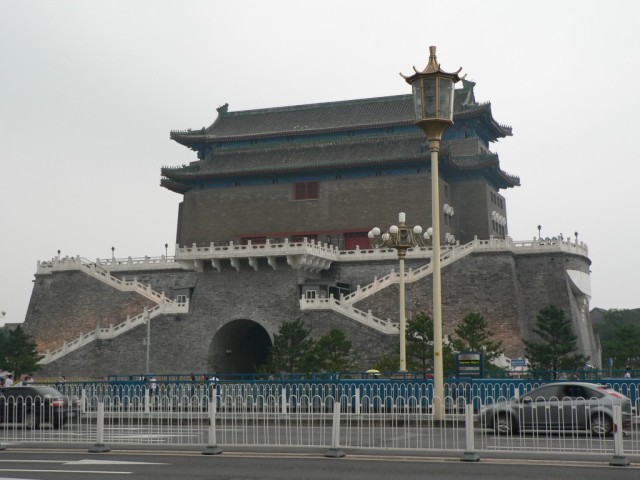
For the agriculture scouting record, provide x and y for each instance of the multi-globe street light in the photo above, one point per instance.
(433, 91)
(400, 237)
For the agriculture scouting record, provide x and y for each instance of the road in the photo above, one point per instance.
(136, 465)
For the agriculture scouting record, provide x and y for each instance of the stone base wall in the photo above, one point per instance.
(509, 290)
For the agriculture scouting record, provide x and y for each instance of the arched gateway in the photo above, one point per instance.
(239, 347)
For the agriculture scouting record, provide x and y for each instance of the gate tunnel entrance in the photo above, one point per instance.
(241, 346)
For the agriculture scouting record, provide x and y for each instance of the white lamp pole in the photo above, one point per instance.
(148, 339)
(433, 91)
(400, 237)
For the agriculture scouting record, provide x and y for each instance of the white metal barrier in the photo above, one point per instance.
(277, 415)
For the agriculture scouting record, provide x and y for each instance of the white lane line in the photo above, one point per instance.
(87, 461)
(16, 470)
(110, 462)
(16, 478)
(31, 461)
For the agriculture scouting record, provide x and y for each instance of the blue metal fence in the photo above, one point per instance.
(377, 393)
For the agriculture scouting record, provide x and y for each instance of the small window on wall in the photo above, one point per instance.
(307, 191)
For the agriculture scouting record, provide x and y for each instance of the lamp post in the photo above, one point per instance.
(148, 339)
(433, 91)
(400, 237)
(166, 250)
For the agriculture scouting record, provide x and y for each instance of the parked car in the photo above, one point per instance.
(32, 405)
(559, 406)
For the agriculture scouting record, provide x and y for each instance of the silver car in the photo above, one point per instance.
(565, 406)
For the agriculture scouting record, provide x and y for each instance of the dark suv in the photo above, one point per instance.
(33, 405)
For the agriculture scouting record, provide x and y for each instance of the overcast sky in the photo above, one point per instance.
(89, 91)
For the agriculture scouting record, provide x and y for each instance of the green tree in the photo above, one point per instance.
(419, 334)
(388, 363)
(557, 350)
(292, 348)
(474, 336)
(18, 351)
(623, 345)
(619, 333)
(332, 352)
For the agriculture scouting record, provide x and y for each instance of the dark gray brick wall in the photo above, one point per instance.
(344, 205)
(508, 290)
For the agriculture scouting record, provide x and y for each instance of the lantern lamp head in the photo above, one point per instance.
(433, 96)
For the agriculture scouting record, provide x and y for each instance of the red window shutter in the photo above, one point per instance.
(313, 190)
(307, 190)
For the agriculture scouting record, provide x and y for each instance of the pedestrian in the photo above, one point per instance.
(627, 372)
(8, 382)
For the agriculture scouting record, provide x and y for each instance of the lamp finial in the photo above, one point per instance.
(433, 65)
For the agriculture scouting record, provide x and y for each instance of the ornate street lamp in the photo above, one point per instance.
(400, 237)
(433, 91)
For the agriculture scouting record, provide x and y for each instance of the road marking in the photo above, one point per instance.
(16, 470)
(87, 461)
(15, 478)
(110, 462)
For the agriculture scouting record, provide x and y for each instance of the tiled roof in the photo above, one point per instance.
(312, 137)
(383, 151)
(317, 117)
(290, 158)
(488, 163)
(323, 117)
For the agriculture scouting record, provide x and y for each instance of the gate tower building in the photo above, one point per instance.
(272, 226)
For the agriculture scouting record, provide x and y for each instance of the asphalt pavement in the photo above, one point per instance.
(59, 464)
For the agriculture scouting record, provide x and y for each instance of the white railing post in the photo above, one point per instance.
(99, 446)
(618, 460)
(334, 451)
(212, 448)
(283, 401)
(147, 402)
(470, 454)
(83, 401)
(356, 399)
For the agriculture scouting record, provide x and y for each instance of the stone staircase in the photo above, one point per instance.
(93, 269)
(348, 310)
(447, 257)
(345, 305)
(168, 307)
(164, 305)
